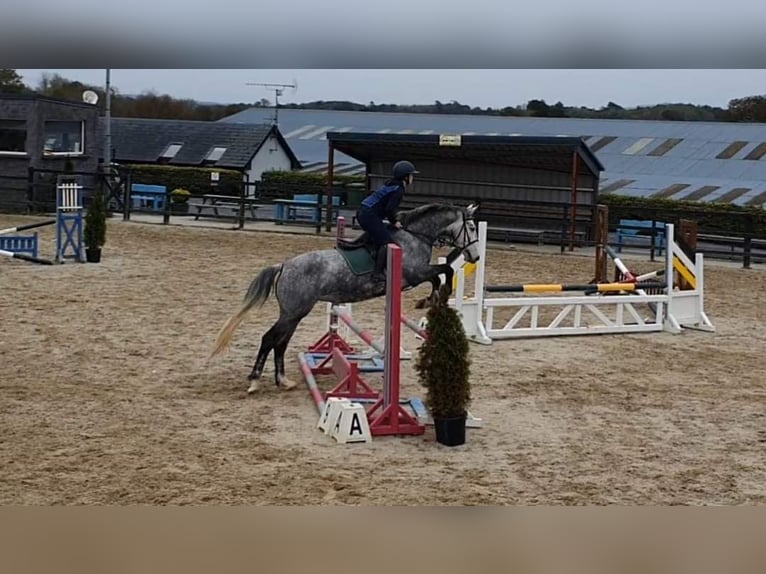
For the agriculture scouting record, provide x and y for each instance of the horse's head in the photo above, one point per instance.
(464, 234)
(446, 224)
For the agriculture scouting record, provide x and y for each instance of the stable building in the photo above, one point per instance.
(527, 186)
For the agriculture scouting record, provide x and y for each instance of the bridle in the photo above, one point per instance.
(464, 232)
(449, 240)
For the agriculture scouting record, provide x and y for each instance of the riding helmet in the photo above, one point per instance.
(403, 168)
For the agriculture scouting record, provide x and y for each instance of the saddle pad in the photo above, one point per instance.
(359, 260)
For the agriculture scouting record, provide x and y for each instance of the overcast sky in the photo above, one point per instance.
(485, 88)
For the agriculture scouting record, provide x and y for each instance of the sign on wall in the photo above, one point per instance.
(448, 140)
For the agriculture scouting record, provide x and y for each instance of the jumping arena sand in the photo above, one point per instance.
(106, 396)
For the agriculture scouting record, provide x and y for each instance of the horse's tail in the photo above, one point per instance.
(259, 290)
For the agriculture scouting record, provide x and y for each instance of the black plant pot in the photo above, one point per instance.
(93, 255)
(179, 207)
(450, 431)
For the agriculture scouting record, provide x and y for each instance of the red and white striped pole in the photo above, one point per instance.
(627, 276)
(413, 326)
(339, 234)
(331, 339)
(316, 393)
(363, 334)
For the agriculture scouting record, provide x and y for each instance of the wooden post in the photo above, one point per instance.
(602, 238)
(30, 207)
(241, 210)
(330, 170)
(573, 201)
(747, 245)
(126, 182)
(166, 208)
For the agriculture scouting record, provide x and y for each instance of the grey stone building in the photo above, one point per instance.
(43, 134)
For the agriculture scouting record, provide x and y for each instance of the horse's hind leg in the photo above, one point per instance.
(279, 355)
(268, 342)
(276, 338)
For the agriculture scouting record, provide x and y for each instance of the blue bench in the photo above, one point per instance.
(151, 194)
(291, 209)
(641, 230)
(20, 244)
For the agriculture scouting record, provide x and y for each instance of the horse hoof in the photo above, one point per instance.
(286, 383)
(253, 387)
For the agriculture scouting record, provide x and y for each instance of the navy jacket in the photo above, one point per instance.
(385, 201)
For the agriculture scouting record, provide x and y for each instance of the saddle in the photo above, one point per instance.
(362, 241)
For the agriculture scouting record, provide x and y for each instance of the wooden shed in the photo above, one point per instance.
(533, 186)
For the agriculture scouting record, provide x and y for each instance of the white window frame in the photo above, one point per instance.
(65, 153)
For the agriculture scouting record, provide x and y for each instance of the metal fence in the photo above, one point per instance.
(540, 222)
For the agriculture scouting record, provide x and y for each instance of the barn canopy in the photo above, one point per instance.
(547, 153)
(521, 181)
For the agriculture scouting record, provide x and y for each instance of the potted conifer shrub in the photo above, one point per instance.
(179, 201)
(443, 366)
(94, 233)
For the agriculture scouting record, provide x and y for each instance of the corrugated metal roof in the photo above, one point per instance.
(665, 153)
(738, 192)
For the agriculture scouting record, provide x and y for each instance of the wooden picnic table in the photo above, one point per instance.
(231, 203)
(508, 233)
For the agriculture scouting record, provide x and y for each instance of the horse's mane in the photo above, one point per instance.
(422, 211)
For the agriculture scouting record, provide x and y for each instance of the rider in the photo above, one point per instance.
(381, 204)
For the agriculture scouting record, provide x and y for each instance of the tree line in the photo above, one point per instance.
(162, 106)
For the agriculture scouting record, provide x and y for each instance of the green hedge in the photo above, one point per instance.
(195, 179)
(308, 179)
(285, 184)
(719, 218)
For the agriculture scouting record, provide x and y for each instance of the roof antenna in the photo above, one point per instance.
(278, 91)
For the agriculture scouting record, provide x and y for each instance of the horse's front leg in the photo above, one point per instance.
(426, 301)
(436, 283)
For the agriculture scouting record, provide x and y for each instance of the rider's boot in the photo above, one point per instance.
(379, 273)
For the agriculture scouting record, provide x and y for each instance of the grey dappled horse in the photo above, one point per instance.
(300, 282)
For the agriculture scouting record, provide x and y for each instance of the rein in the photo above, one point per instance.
(443, 241)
